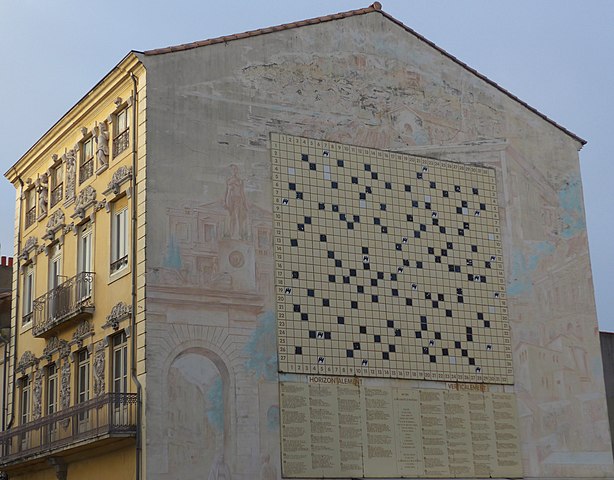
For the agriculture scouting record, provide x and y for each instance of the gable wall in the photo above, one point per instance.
(361, 81)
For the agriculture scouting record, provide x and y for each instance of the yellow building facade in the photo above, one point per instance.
(73, 393)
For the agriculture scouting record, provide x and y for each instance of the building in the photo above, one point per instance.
(607, 355)
(324, 249)
(6, 277)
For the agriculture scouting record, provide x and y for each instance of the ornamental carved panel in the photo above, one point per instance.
(37, 395)
(99, 366)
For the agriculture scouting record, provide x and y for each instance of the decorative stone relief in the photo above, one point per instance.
(54, 344)
(118, 313)
(70, 160)
(120, 176)
(99, 361)
(27, 360)
(65, 390)
(30, 245)
(42, 187)
(85, 199)
(83, 331)
(55, 223)
(101, 137)
(37, 395)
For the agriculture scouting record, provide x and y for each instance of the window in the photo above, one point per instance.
(84, 261)
(119, 240)
(83, 381)
(24, 409)
(86, 165)
(30, 207)
(58, 297)
(52, 389)
(120, 363)
(56, 184)
(28, 294)
(120, 377)
(51, 397)
(121, 132)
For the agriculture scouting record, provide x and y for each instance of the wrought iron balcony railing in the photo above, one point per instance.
(121, 142)
(30, 216)
(56, 194)
(119, 264)
(86, 170)
(71, 300)
(109, 415)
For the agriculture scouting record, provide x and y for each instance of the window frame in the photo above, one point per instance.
(119, 363)
(120, 240)
(83, 381)
(51, 394)
(85, 260)
(56, 184)
(28, 297)
(86, 161)
(57, 298)
(30, 211)
(25, 400)
(121, 134)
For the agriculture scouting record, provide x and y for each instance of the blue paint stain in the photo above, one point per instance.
(173, 255)
(524, 264)
(526, 261)
(215, 413)
(570, 201)
(261, 349)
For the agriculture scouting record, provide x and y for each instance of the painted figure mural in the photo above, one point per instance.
(236, 204)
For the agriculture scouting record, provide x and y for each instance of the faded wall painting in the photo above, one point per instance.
(211, 302)
(199, 426)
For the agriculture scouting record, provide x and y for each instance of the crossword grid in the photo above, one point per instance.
(387, 265)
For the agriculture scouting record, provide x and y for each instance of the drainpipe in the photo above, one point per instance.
(15, 333)
(139, 387)
(5, 341)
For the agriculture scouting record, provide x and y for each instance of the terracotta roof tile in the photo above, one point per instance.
(261, 31)
(375, 7)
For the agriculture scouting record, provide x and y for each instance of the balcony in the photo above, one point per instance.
(109, 416)
(30, 217)
(70, 301)
(86, 170)
(56, 195)
(121, 142)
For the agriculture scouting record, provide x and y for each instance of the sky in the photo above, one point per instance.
(556, 55)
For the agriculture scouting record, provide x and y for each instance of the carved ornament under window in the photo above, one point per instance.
(120, 176)
(55, 223)
(27, 360)
(85, 199)
(118, 313)
(83, 331)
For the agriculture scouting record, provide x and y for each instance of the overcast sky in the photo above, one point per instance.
(555, 55)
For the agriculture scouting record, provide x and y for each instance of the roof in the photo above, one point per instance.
(375, 7)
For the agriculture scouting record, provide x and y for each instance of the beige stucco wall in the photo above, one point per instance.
(211, 355)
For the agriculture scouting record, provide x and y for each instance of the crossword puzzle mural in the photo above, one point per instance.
(387, 265)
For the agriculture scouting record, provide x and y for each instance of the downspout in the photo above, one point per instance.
(4, 368)
(139, 387)
(14, 334)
